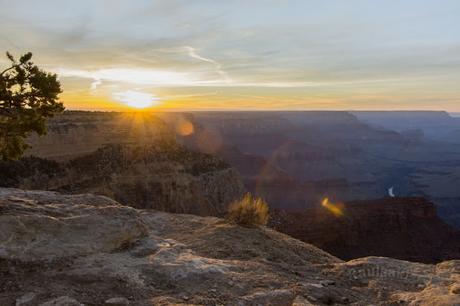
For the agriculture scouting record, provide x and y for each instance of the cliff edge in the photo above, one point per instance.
(90, 250)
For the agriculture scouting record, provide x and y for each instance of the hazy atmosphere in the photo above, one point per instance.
(240, 55)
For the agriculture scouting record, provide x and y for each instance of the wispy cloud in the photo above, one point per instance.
(192, 53)
(130, 76)
(162, 78)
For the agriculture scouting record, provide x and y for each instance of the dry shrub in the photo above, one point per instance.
(248, 211)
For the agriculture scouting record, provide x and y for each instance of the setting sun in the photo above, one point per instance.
(136, 99)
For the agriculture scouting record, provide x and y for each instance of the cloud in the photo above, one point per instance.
(130, 76)
(192, 53)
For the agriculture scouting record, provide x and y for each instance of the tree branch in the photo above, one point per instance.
(8, 69)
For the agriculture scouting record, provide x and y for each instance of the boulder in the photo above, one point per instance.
(44, 227)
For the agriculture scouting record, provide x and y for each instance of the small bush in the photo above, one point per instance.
(248, 211)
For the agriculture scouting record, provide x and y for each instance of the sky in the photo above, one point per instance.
(243, 55)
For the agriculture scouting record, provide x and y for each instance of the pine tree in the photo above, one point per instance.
(28, 97)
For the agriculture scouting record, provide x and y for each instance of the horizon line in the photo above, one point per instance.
(166, 110)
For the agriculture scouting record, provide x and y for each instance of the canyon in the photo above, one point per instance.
(295, 159)
(402, 228)
(198, 163)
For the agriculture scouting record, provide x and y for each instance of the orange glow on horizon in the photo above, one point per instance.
(230, 100)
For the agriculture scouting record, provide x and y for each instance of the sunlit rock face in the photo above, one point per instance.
(74, 134)
(94, 251)
(404, 228)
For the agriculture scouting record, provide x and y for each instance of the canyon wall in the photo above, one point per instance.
(76, 133)
(404, 228)
(163, 176)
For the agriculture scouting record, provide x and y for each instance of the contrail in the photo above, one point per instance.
(192, 53)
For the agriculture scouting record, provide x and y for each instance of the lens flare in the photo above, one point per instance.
(335, 208)
(185, 128)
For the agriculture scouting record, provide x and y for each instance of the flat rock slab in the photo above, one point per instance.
(47, 227)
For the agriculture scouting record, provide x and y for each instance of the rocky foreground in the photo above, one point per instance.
(90, 250)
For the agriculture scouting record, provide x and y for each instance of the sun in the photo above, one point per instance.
(136, 99)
